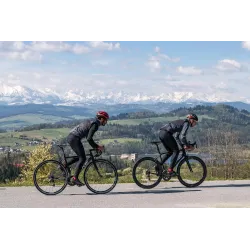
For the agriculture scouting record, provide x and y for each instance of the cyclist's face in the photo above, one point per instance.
(103, 121)
(193, 122)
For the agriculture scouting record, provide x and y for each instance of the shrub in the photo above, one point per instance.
(39, 154)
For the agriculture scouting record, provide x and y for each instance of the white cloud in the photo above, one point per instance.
(154, 64)
(37, 75)
(12, 46)
(51, 46)
(59, 47)
(24, 55)
(157, 49)
(228, 65)
(32, 51)
(164, 56)
(221, 85)
(80, 49)
(246, 45)
(171, 78)
(189, 70)
(105, 46)
(169, 58)
(101, 63)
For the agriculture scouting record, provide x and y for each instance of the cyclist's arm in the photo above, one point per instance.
(91, 133)
(183, 134)
(177, 138)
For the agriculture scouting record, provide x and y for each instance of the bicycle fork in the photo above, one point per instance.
(96, 168)
(189, 166)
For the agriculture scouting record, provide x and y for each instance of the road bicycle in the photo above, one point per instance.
(52, 176)
(148, 172)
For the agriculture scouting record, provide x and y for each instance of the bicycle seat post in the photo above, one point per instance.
(158, 149)
(157, 145)
(64, 156)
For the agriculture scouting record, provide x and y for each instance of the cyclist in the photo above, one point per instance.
(86, 130)
(179, 129)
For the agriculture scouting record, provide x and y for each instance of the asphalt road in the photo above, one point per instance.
(209, 194)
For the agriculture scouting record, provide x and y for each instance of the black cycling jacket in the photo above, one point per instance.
(179, 128)
(87, 130)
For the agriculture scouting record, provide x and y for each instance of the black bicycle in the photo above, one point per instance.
(190, 170)
(51, 176)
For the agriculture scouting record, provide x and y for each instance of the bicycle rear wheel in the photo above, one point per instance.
(103, 179)
(147, 172)
(50, 177)
(192, 171)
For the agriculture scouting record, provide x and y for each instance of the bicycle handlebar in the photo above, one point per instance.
(98, 152)
(191, 144)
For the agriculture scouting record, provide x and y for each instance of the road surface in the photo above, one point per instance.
(172, 194)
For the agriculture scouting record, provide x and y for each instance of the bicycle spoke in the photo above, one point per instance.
(101, 178)
(147, 173)
(50, 177)
(192, 172)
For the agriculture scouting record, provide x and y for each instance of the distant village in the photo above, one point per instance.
(19, 147)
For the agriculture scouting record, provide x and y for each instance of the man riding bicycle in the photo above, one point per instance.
(174, 133)
(86, 130)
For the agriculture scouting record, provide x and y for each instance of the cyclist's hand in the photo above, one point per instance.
(100, 148)
(188, 148)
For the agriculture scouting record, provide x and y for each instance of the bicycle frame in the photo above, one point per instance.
(183, 156)
(91, 158)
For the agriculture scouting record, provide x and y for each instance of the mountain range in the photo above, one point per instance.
(22, 106)
(18, 95)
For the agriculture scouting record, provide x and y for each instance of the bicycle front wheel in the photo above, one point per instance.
(102, 178)
(50, 177)
(147, 172)
(192, 171)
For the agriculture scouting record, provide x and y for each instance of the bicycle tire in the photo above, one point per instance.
(39, 188)
(204, 175)
(137, 165)
(90, 186)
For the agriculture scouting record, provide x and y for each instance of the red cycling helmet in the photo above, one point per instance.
(192, 116)
(102, 114)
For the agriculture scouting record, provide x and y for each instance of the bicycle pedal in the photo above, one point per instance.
(173, 175)
(80, 185)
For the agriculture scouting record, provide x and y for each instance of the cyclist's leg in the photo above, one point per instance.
(171, 145)
(164, 139)
(72, 161)
(77, 147)
(70, 138)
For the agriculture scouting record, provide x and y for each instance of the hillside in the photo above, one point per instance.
(139, 131)
(19, 116)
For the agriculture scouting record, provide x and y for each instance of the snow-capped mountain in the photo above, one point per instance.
(23, 95)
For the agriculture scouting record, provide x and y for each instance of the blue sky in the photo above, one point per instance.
(147, 67)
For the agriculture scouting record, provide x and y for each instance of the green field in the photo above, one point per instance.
(29, 119)
(119, 140)
(140, 121)
(151, 120)
(49, 133)
(10, 138)
(79, 117)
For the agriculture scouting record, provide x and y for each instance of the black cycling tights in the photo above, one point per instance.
(171, 146)
(76, 145)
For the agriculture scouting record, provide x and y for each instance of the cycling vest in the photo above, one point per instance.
(82, 129)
